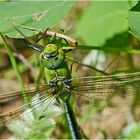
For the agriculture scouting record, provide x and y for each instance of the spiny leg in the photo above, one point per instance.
(70, 47)
(44, 34)
(35, 46)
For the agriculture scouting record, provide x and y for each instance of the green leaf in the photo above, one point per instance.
(134, 20)
(33, 14)
(103, 20)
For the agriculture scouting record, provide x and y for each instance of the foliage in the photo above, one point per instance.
(102, 20)
(38, 15)
(134, 20)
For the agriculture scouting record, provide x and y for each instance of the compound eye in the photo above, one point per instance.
(50, 51)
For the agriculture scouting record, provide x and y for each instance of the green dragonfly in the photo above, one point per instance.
(93, 90)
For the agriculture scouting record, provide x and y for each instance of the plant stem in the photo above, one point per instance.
(109, 49)
(15, 67)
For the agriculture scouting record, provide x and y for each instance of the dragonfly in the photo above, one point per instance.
(93, 90)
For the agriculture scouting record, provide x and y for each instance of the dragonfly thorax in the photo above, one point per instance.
(62, 87)
(52, 57)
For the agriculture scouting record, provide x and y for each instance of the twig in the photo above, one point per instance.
(50, 33)
(21, 57)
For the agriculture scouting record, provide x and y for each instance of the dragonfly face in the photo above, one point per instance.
(52, 57)
(50, 51)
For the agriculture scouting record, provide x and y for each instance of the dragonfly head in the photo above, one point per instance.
(50, 51)
(52, 56)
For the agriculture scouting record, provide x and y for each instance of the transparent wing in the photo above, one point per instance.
(106, 84)
(90, 93)
(31, 90)
(12, 104)
(94, 89)
(99, 91)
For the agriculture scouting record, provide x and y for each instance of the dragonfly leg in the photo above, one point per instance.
(71, 67)
(44, 34)
(35, 46)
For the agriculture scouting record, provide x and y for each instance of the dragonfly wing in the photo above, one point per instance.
(100, 91)
(101, 102)
(12, 104)
(39, 114)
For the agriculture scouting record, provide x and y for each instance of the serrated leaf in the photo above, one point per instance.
(103, 20)
(134, 20)
(35, 14)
